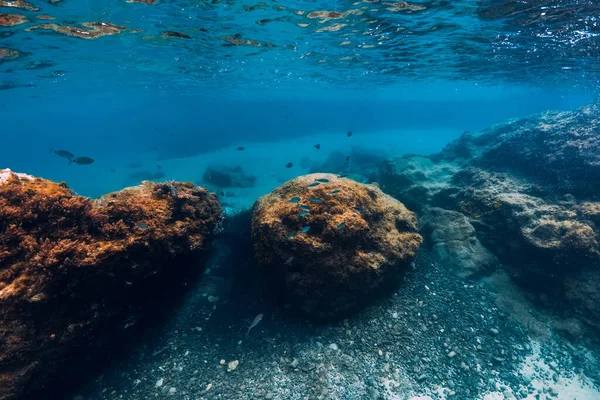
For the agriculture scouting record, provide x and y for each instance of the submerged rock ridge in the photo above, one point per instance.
(75, 272)
(329, 245)
(531, 191)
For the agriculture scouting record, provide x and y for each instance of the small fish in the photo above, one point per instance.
(336, 191)
(289, 165)
(359, 209)
(291, 235)
(142, 225)
(254, 323)
(83, 160)
(348, 158)
(317, 146)
(158, 166)
(222, 193)
(304, 213)
(64, 154)
(315, 200)
(113, 170)
(349, 133)
(340, 226)
(343, 175)
(289, 260)
(305, 229)
(322, 180)
(305, 207)
(241, 148)
(315, 184)
(294, 199)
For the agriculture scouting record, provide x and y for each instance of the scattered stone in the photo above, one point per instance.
(232, 365)
(333, 347)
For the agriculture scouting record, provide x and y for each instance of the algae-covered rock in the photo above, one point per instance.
(530, 189)
(330, 244)
(74, 270)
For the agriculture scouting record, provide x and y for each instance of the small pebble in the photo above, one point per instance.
(232, 365)
(333, 347)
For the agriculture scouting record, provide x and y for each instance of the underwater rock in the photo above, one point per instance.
(173, 34)
(18, 4)
(415, 180)
(226, 177)
(75, 272)
(363, 163)
(238, 40)
(454, 243)
(529, 188)
(12, 19)
(9, 54)
(560, 150)
(330, 245)
(94, 29)
(324, 16)
(397, 6)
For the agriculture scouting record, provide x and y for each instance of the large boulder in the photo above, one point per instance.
(330, 245)
(226, 177)
(75, 271)
(454, 243)
(530, 189)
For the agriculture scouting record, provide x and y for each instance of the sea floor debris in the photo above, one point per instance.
(439, 337)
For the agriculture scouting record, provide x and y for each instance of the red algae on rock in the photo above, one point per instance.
(94, 29)
(331, 244)
(73, 270)
(12, 19)
(18, 4)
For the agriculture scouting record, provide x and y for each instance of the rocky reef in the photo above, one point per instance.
(528, 193)
(76, 272)
(330, 245)
(227, 177)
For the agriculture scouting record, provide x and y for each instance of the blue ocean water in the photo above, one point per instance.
(270, 72)
(174, 89)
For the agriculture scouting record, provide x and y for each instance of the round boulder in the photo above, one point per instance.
(328, 245)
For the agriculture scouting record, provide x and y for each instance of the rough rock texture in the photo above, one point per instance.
(454, 243)
(73, 271)
(361, 164)
(226, 177)
(530, 188)
(360, 241)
